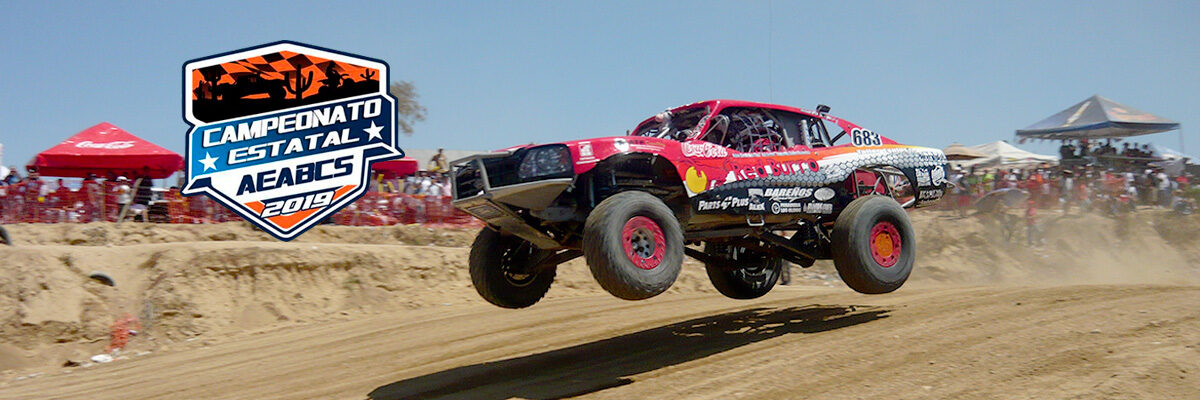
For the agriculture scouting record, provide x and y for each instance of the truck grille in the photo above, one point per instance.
(502, 171)
(467, 180)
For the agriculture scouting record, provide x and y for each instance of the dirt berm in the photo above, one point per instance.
(326, 298)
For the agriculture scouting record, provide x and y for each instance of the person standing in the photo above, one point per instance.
(426, 183)
(14, 177)
(32, 187)
(124, 195)
(1033, 235)
(437, 189)
(1164, 189)
(143, 195)
(1065, 151)
(93, 199)
(438, 162)
(62, 200)
(409, 184)
(1066, 190)
(958, 182)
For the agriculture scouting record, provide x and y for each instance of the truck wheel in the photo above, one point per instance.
(873, 245)
(4, 237)
(500, 270)
(742, 274)
(633, 245)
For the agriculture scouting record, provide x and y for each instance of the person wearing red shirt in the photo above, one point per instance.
(1033, 234)
(59, 201)
(63, 196)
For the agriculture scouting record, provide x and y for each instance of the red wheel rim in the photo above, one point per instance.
(644, 242)
(885, 244)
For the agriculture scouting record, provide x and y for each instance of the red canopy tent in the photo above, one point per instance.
(396, 168)
(104, 150)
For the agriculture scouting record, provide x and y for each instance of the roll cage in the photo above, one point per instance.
(743, 126)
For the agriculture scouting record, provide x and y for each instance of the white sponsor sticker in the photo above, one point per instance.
(818, 208)
(703, 150)
(585, 150)
(823, 194)
(621, 145)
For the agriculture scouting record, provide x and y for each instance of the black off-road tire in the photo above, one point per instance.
(621, 271)
(750, 276)
(856, 232)
(4, 239)
(495, 258)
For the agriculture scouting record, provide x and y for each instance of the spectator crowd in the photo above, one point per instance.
(1068, 187)
(33, 199)
(423, 197)
(1079, 188)
(1085, 151)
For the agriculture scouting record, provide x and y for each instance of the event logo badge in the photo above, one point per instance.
(284, 134)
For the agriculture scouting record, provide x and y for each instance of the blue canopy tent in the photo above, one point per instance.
(1097, 118)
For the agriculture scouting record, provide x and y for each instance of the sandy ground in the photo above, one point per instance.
(1104, 309)
(1005, 343)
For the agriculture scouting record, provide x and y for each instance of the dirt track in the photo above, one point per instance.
(389, 313)
(1053, 342)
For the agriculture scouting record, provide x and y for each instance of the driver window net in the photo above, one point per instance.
(753, 132)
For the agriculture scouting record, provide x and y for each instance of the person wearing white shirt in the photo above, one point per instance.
(1164, 189)
(425, 184)
(124, 192)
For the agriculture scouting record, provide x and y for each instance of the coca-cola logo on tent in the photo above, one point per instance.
(88, 144)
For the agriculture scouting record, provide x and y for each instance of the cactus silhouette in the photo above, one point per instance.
(367, 76)
(300, 83)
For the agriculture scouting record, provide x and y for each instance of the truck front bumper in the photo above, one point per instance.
(497, 206)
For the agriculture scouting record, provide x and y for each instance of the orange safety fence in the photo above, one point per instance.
(379, 209)
(120, 331)
(31, 203)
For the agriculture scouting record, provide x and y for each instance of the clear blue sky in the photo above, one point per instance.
(494, 74)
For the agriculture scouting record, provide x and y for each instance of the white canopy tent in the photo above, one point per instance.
(1170, 154)
(1174, 163)
(1002, 154)
(3, 169)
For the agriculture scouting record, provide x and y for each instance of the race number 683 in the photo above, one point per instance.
(863, 137)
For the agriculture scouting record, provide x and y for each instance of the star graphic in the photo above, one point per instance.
(373, 132)
(209, 161)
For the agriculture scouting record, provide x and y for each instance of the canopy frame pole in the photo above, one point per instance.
(1181, 149)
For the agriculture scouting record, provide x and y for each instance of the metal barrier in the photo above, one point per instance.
(28, 202)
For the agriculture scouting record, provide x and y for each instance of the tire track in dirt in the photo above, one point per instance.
(1058, 342)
